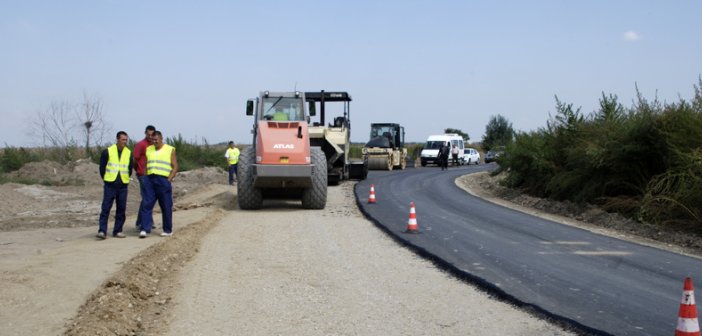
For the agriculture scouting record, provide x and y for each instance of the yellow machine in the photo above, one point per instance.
(333, 138)
(386, 148)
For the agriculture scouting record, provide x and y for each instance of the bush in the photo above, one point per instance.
(13, 158)
(414, 150)
(192, 155)
(644, 161)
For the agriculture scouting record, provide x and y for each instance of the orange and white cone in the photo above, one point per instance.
(371, 198)
(688, 325)
(412, 226)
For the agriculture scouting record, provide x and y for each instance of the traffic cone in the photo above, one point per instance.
(688, 325)
(412, 226)
(371, 198)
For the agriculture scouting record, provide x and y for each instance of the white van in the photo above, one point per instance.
(430, 153)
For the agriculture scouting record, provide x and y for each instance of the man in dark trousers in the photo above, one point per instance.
(444, 155)
(232, 156)
(115, 170)
(161, 169)
(140, 167)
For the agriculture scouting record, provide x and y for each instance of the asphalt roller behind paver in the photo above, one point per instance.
(386, 148)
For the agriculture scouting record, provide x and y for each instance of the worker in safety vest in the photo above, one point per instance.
(115, 170)
(279, 115)
(232, 156)
(161, 168)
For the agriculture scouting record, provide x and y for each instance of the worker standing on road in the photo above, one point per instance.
(115, 170)
(140, 167)
(454, 155)
(443, 155)
(232, 156)
(161, 168)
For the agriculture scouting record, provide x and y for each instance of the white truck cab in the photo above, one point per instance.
(430, 153)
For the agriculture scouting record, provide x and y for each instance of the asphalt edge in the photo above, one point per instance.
(492, 290)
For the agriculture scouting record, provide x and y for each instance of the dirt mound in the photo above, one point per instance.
(67, 195)
(206, 174)
(70, 195)
(79, 172)
(188, 181)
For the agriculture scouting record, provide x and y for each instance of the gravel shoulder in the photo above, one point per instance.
(287, 271)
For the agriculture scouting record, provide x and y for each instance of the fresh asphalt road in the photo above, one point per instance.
(600, 285)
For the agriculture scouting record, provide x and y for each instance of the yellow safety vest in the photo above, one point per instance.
(280, 116)
(158, 162)
(233, 155)
(117, 165)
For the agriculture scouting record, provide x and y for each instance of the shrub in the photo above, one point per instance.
(13, 158)
(414, 150)
(192, 155)
(644, 161)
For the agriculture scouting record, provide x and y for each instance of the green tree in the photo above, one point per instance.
(498, 132)
(465, 136)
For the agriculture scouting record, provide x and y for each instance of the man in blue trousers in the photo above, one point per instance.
(232, 156)
(139, 157)
(115, 170)
(161, 168)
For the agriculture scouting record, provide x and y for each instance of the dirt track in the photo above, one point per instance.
(50, 262)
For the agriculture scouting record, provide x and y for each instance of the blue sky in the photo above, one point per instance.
(188, 67)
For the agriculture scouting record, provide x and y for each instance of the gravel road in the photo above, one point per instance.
(287, 271)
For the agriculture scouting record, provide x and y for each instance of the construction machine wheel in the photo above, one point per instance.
(249, 197)
(379, 163)
(316, 196)
(403, 162)
(358, 170)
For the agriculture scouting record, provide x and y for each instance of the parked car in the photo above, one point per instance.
(492, 155)
(471, 156)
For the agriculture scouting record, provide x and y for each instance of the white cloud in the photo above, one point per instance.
(632, 36)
